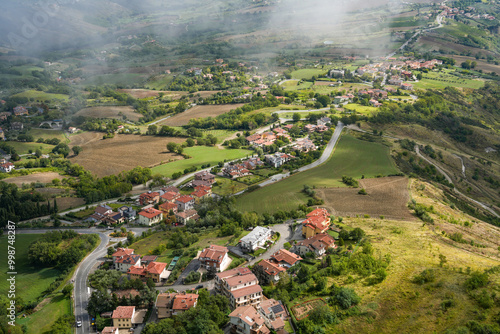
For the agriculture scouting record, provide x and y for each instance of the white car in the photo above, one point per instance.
(78, 323)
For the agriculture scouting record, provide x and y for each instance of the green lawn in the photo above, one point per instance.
(30, 281)
(48, 134)
(24, 147)
(41, 321)
(352, 157)
(308, 73)
(226, 187)
(41, 96)
(200, 155)
(358, 108)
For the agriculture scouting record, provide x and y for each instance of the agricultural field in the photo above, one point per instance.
(360, 109)
(144, 93)
(201, 111)
(30, 281)
(48, 134)
(123, 152)
(116, 112)
(42, 96)
(302, 310)
(352, 157)
(308, 73)
(441, 80)
(386, 196)
(45, 177)
(201, 155)
(25, 147)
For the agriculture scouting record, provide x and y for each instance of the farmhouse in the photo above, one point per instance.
(185, 216)
(7, 167)
(215, 256)
(150, 216)
(317, 244)
(168, 304)
(318, 221)
(184, 203)
(406, 86)
(255, 239)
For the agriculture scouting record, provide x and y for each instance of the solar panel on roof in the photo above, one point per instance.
(277, 309)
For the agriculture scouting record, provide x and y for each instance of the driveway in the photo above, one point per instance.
(194, 265)
(285, 231)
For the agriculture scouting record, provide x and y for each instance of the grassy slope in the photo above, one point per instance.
(352, 157)
(41, 96)
(399, 306)
(30, 282)
(41, 321)
(200, 155)
(23, 148)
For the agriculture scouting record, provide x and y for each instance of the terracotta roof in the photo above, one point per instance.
(109, 330)
(129, 259)
(150, 213)
(285, 256)
(184, 302)
(199, 193)
(170, 196)
(123, 312)
(270, 268)
(214, 253)
(207, 188)
(184, 199)
(134, 270)
(241, 279)
(123, 251)
(164, 299)
(187, 214)
(234, 272)
(319, 241)
(167, 206)
(249, 315)
(170, 189)
(150, 258)
(318, 212)
(156, 267)
(252, 289)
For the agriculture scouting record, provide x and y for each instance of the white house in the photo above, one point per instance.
(256, 238)
(7, 167)
(150, 216)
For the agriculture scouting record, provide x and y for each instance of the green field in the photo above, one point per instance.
(439, 80)
(24, 147)
(358, 108)
(308, 73)
(30, 281)
(48, 134)
(226, 186)
(200, 155)
(41, 321)
(352, 157)
(41, 96)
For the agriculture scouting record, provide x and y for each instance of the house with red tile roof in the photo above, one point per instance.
(169, 304)
(285, 258)
(167, 207)
(184, 203)
(154, 270)
(317, 244)
(121, 252)
(215, 256)
(271, 269)
(269, 315)
(110, 330)
(240, 285)
(318, 221)
(205, 176)
(122, 316)
(206, 188)
(7, 167)
(151, 197)
(125, 262)
(170, 196)
(185, 216)
(150, 216)
(198, 195)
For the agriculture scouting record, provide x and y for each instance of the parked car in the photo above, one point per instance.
(199, 286)
(78, 322)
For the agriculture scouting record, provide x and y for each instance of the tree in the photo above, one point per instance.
(296, 117)
(190, 142)
(111, 250)
(180, 149)
(357, 234)
(67, 290)
(172, 147)
(152, 130)
(77, 150)
(346, 297)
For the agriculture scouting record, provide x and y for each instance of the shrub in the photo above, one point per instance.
(362, 191)
(346, 297)
(426, 276)
(477, 280)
